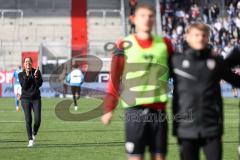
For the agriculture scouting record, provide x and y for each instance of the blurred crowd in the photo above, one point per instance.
(225, 26)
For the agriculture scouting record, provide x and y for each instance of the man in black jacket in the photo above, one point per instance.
(197, 100)
(31, 80)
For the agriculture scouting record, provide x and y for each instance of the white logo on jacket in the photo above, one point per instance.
(211, 64)
(129, 147)
(185, 63)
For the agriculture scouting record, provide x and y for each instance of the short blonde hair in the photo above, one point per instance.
(200, 26)
(145, 6)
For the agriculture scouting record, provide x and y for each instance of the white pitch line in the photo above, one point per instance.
(11, 121)
(3, 111)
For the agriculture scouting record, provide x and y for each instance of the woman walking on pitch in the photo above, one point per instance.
(31, 80)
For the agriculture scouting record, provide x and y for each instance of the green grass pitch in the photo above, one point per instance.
(88, 140)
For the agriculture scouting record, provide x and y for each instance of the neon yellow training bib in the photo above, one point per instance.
(146, 73)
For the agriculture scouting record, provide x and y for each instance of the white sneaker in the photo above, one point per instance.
(30, 143)
(17, 108)
(76, 108)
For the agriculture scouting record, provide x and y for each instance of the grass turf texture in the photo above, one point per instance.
(88, 140)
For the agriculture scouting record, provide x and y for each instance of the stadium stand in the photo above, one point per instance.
(104, 24)
(28, 23)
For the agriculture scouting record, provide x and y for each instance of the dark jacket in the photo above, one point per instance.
(197, 100)
(30, 85)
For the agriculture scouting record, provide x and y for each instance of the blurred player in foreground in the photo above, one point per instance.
(197, 100)
(75, 79)
(31, 80)
(142, 70)
(17, 87)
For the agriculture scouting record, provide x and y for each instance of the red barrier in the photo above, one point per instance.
(79, 27)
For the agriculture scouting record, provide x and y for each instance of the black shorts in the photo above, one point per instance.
(145, 127)
(76, 90)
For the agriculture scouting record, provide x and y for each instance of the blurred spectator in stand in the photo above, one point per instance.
(224, 39)
(235, 36)
(195, 12)
(231, 10)
(238, 8)
(169, 12)
(226, 50)
(132, 5)
(206, 14)
(237, 21)
(214, 12)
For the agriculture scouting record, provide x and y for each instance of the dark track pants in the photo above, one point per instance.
(28, 106)
(190, 148)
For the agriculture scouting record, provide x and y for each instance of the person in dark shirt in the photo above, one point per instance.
(214, 12)
(31, 80)
(197, 101)
(206, 14)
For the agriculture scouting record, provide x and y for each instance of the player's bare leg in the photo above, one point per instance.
(18, 106)
(158, 157)
(75, 102)
(235, 92)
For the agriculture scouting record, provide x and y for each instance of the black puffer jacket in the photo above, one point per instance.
(197, 101)
(30, 85)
